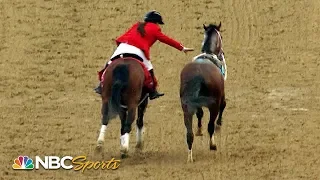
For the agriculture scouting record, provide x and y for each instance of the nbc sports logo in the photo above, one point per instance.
(23, 162)
(79, 163)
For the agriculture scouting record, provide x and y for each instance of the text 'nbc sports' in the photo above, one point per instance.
(79, 163)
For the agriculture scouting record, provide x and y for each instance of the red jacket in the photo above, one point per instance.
(153, 33)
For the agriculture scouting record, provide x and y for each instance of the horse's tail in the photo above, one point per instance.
(192, 97)
(120, 81)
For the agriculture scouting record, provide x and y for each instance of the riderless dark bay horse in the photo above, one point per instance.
(202, 85)
(125, 88)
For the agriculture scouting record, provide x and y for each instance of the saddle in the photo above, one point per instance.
(148, 81)
(210, 59)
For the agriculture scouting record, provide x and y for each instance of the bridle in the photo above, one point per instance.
(220, 42)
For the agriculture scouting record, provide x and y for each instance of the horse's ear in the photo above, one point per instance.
(204, 27)
(219, 26)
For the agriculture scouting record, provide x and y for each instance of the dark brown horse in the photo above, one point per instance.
(202, 85)
(123, 92)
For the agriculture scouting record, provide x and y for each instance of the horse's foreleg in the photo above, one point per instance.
(211, 127)
(140, 129)
(126, 122)
(104, 122)
(199, 114)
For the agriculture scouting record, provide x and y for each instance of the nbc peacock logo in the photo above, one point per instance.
(23, 162)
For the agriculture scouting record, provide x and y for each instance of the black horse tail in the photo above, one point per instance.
(192, 97)
(120, 81)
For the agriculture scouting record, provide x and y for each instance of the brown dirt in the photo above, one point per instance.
(50, 51)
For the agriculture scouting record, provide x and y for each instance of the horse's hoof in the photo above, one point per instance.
(190, 160)
(123, 156)
(218, 128)
(199, 133)
(124, 153)
(98, 148)
(139, 145)
(99, 143)
(213, 147)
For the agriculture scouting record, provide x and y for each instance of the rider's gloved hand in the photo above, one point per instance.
(185, 50)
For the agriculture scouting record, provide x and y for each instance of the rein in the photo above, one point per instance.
(219, 35)
(206, 55)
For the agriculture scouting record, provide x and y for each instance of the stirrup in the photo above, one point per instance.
(155, 95)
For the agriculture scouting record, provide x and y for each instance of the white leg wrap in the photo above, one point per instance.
(124, 141)
(102, 133)
(140, 133)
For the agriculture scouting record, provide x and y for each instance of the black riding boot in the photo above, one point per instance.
(98, 89)
(154, 93)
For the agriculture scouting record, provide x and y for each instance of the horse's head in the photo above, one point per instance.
(212, 42)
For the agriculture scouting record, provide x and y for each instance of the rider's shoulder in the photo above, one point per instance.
(153, 26)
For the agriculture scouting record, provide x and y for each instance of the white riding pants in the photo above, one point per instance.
(126, 48)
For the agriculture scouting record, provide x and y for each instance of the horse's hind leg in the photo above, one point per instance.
(188, 123)
(211, 127)
(199, 115)
(140, 129)
(104, 122)
(222, 106)
(126, 122)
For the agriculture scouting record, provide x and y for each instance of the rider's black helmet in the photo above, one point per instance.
(154, 17)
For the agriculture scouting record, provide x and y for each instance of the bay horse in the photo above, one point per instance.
(123, 92)
(202, 85)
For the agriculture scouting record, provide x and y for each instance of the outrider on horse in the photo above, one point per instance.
(128, 78)
(137, 41)
(202, 85)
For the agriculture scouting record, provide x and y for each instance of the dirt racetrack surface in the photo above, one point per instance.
(50, 51)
